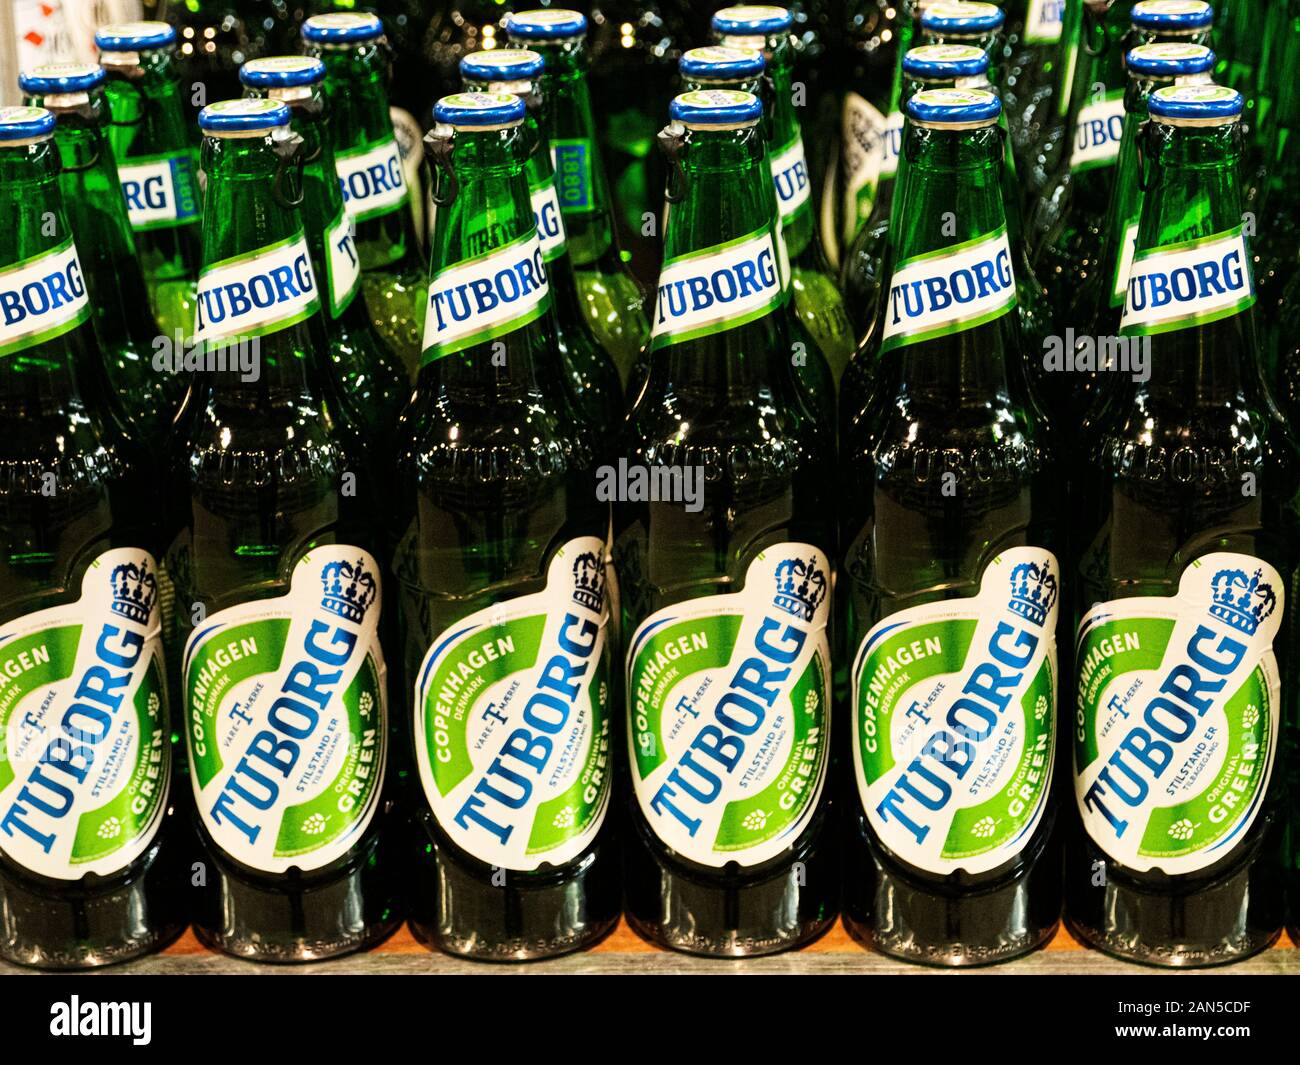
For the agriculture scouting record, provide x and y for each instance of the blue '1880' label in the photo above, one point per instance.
(572, 159)
(950, 290)
(1188, 284)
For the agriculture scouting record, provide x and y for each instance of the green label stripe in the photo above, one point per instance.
(311, 825)
(897, 664)
(998, 821)
(749, 822)
(1194, 825)
(27, 665)
(337, 307)
(464, 672)
(1108, 651)
(102, 831)
(668, 657)
(573, 813)
(260, 646)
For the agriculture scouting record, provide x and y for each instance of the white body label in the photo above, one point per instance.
(484, 298)
(1177, 714)
(1188, 284)
(729, 718)
(372, 179)
(512, 728)
(286, 710)
(950, 291)
(954, 719)
(718, 288)
(85, 748)
(42, 298)
(256, 294)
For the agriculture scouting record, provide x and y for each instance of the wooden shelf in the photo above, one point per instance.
(624, 952)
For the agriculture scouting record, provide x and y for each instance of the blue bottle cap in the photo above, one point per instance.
(342, 27)
(502, 64)
(282, 72)
(1169, 59)
(1172, 15)
(751, 20)
(1201, 105)
(945, 61)
(954, 107)
(480, 110)
(553, 24)
(962, 18)
(55, 78)
(243, 116)
(134, 36)
(721, 62)
(711, 108)
(25, 123)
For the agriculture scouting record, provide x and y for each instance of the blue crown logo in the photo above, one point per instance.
(800, 587)
(1033, 591)
(1242, 602)
(349, 590)
(589, 581)
(134, 590)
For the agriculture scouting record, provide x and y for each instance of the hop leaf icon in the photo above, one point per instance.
(1250, 716)
(811, 703)
(983, 828)
(315, 824)
(366, 704)
(1040, 708)
(755, 820)
(155, 704)
(564, 819)
(109, 828)
(1182, 830)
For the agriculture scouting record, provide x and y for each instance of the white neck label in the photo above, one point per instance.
(790, 176)
(42, 298)
(1043, 22)
(549, 217)
(1098, 132)
(160, 192)
(1188, 284)
(372, 179)
(256, 294)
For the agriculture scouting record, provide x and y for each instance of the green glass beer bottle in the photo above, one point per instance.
(816, 304)
(1080, 31)
(91, 870)
(1187, 519)
(1170, 21)
(876, 35)
(499, 558)
(726, 588)
(369, 373)
(592, 374)
(355, 53)
(155, 162)
(1031, 61)
(614, 302)
(950, 578)
(979, 25)
(1096, 307)
(148, 389)
(279, 593)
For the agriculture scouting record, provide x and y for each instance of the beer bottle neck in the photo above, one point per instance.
(1192, 205)
(357, 87)
(249, 224)
(490, 212)
(1095, 119)
(947, 201)
(35, 374)
(145, 104)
